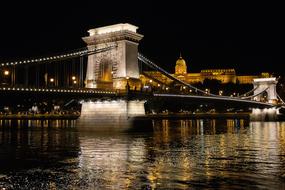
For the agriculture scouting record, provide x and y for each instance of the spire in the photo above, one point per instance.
(180, 55)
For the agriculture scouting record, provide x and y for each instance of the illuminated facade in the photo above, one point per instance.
(180, 67)
(223, 75)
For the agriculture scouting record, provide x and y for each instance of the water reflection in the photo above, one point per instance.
(226, 154)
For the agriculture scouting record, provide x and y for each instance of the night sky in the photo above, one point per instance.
(247, 37)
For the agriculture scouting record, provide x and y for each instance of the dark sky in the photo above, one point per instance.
(247, 37)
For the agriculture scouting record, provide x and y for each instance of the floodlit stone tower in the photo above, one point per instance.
(118, 66)
(269, 86)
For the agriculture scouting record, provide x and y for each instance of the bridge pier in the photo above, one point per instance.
(264, 114)
(115, 115)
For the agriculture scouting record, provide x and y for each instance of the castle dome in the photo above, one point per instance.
(180, 67)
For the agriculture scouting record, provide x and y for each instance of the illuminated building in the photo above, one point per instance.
(223, 75)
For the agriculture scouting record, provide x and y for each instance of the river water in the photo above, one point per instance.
(185, 154)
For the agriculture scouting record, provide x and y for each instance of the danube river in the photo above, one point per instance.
(183, 154)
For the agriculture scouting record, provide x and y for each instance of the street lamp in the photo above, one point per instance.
(127, 85)
(51, 80)
(207, 90)
(6, 77)
(73, 77)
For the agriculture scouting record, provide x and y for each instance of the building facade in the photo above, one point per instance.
(223, 75)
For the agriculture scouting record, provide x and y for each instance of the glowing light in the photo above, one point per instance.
(150, 81)
(6, 72)
(51, 79)
(158, 85)
(184, 87)
(74, 82)
(73, 77)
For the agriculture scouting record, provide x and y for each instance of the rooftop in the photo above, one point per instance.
(113, 28)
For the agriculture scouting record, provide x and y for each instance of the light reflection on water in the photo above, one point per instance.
(174, 155)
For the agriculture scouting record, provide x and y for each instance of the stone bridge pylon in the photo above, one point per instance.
(268, 85)
(118, 66)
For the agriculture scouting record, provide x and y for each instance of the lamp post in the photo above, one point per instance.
(74, 81)
(127, 85)
(51, 80)
(6, 77)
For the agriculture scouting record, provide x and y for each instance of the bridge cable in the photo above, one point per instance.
(252, 96)
(72, 54)
(280, 98)
(244, 94)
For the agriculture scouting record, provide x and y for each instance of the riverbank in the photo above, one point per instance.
(173, 116)
(244, 115)
(40, 117)
(200, 116)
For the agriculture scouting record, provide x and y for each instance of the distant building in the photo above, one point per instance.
(223, 75)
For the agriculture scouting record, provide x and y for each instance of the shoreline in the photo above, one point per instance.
(174, 116)
(39, 117)
(200, 116)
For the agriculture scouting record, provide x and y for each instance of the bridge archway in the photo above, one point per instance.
(267, 85)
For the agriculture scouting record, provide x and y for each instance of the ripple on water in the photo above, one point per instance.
(171, 157)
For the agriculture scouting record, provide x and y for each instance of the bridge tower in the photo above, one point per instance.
(113, 69)
(119, 66)
(269, 86)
